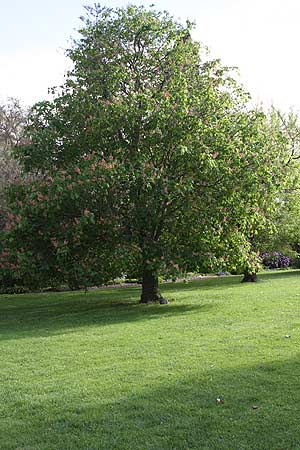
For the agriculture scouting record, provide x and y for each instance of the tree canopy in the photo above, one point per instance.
(150, 159)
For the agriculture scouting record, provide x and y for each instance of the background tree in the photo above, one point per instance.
(149, 153)
(284, 215)
(12, 122)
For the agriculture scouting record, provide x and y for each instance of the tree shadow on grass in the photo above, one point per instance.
(279, 274)
(53, 314)
(172, 414)
(56, 313)
(203, 284)
(233, 280)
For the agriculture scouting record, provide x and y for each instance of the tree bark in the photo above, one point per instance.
(150, 290)
(249, 277)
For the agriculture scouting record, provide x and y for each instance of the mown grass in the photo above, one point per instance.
(99, 371)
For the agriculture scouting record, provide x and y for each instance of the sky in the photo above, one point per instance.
(260, 37)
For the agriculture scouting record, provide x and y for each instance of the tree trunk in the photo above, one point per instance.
(249, 277)
(150, 291)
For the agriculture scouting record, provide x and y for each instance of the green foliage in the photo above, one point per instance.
(149, 157)
(14, 290)
(286, 211)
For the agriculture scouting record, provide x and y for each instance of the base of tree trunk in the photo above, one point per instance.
(249, 277)
(150, 290)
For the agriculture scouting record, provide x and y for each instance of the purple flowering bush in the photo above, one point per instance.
(275, 260)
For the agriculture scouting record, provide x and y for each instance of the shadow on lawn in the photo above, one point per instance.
(279, 274)
(230, 281)
(173, 414)
(57, 313)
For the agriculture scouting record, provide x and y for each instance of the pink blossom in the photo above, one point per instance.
(54, 242)
(215, 154)
(10, 216)
(40, 197)
(77, 170)
(86, 212)
(167, 94)
(104, 164)
(66, 242)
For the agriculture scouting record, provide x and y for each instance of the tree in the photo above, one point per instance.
(12, 122)
(150, 156)
(286, 235)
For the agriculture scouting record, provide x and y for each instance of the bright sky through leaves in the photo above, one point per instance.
(260, 37)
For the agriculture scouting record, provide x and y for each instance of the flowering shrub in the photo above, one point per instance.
(275, 260)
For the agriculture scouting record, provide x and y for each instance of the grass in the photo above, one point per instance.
(98, 371)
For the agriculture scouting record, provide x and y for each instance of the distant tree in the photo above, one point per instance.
(286, 216)
(12, 122)
(289, 126)
(151, 159)
(279, 207)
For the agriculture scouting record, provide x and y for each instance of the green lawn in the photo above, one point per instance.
(99, 371)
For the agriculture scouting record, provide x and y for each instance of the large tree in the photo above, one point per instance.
(151, 159)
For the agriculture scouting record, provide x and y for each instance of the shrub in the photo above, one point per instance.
(275, 260)
(14, 290)
(295, 262)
